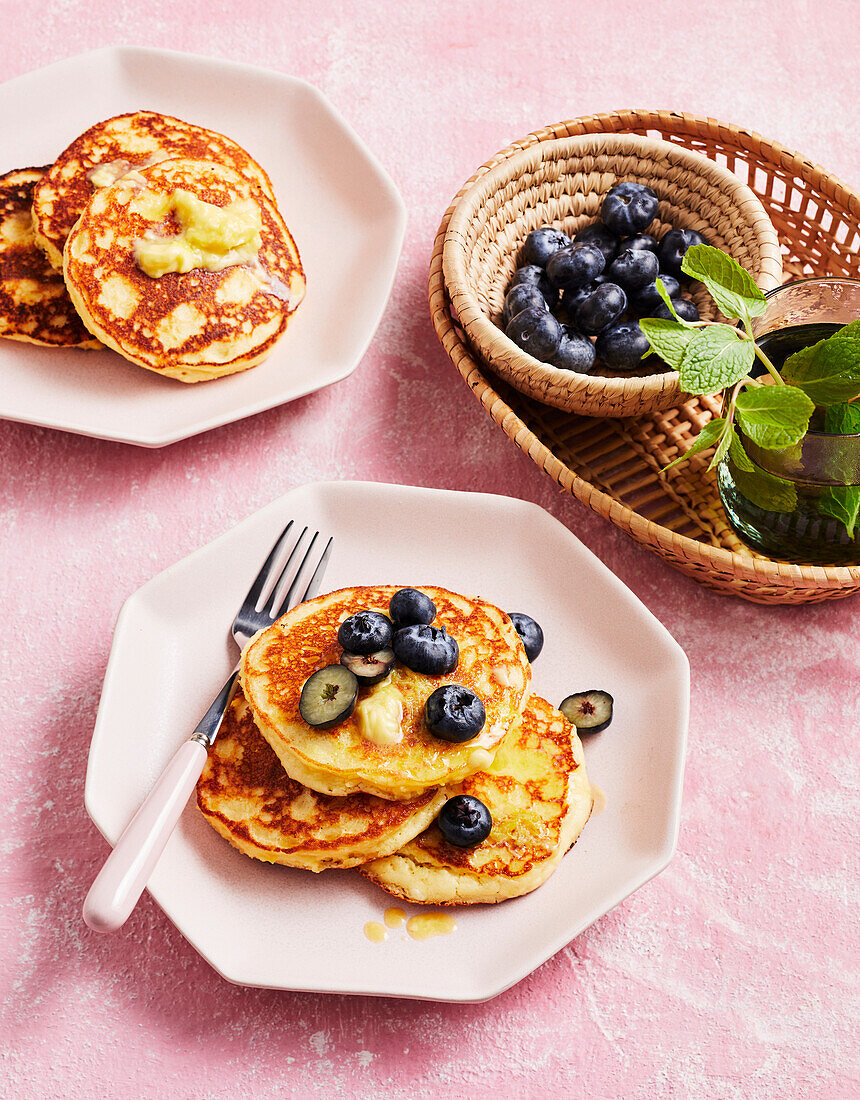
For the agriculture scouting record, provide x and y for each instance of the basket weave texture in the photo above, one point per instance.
(563, 182)
(614, 466)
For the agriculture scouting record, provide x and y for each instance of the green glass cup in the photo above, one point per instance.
(793, 504)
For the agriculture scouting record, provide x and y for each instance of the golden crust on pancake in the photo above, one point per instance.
(343, 760)
(133, 140)
(194, 326)
(34, 304)
(247, 797)
(538, 794)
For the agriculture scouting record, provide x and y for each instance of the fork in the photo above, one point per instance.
(119, 884)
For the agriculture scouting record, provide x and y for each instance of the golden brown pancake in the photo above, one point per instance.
(134, 140)
(350, 757)
(34, 304)
(538, 794)
(248, 798)
(193, 326)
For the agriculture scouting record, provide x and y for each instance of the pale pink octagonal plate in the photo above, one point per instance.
(341, 206)
(278, 927)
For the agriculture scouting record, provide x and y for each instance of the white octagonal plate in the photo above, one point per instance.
(342, 208)
(274, 926)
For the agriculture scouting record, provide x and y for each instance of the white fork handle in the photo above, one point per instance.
(120, 882)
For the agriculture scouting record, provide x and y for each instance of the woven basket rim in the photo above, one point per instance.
(483, 333)
(743, 567)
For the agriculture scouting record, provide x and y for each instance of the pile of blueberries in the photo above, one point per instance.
(597, 285)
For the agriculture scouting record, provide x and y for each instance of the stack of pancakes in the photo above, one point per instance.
(68, 236)
(285, 792)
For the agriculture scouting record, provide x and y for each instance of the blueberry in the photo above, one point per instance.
(685, 310)
(409, 606)
(464, 821)
(532, 275)
(632, 269)
(529, 631)
(575, 352)
(365, 632)
(535, 331)
(571, 299)
(542, 243)
(622, 346)
(369, 668)
(629, 208)
(426, 649)
(575, 266)
(603, 238)
(522, 297)
(639, 242)
(601, 308)
(328, 697)
(646, 299)
(673, 248)
(454, 713)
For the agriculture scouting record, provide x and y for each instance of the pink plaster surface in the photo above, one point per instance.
(733, 974)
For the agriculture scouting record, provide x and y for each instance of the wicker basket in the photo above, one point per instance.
(614, 466)
(563, 182)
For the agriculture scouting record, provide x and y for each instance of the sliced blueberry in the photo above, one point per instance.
(629, 208)
(622, 346)
(532, 275)
(522, 297)
(454, 713)
(601, 308)
(603, 238)
(426, 649)
(684, 308)
(639, 242)
(542, 243)
(328, 697)
(365, 632)
(648, 297)
(535, 331)
(464, 821)
(673, 247)
(575, 352)
(632, 269)
(369, 668)
(575, 266)
(409, 606)
(529, 631)
(589, 711)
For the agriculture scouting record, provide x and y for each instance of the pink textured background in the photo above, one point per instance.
(734, 973)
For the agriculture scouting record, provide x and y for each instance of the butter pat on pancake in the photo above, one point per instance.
(34, 304)
(384, 747)
(246, 796)
(111, 148)
(190, 325)
(538, 794)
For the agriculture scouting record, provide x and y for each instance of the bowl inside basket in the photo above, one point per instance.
(562, 183)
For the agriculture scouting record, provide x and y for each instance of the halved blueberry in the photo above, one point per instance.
(589, 711)
(409, 606)
(529, 631)
(328, 697)
(365, 632)
(454, 713)
(464, 821)
(369, 668)
(426, 649)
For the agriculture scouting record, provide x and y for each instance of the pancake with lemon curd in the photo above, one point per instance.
(539, 797)
(384, 746)
(246, 796)
(111, 148)
(184, 268)
(34, 304)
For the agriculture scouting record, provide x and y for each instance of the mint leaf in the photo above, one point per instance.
(670, 305)
(715, 357)
(732, 288)
(828, 371)
(842, 419)
(770, 493)
(774, 416)
(668, 339)
(738, 455)
(842, 503)
(722, 446)
(712, 433)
